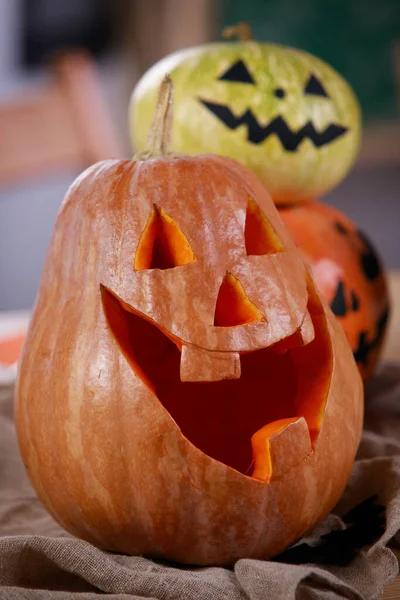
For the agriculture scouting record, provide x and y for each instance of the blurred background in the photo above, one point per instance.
(67, 69)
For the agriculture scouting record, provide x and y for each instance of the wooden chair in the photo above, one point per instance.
(62, 124)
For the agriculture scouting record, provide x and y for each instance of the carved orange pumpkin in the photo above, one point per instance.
(348, 272)
(183, 392)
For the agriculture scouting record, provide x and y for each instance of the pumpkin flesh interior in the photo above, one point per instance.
(279, 382)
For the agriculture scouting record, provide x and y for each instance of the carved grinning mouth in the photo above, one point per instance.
(220, 417)
(289, 139)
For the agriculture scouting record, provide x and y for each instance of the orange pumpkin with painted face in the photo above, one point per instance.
(184, 391)
(349, 273)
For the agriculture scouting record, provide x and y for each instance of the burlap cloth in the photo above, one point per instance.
(38, 560)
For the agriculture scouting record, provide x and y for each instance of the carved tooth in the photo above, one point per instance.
(198, 364)
(280, 446)
(307, 329)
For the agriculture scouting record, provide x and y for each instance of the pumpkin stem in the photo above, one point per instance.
(159, 141)
(242, 31)
(160, 136)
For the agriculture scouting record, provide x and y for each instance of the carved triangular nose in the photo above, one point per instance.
(233, 305)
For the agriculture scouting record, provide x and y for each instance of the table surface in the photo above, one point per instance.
(391, 353)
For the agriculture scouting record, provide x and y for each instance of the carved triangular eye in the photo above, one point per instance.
(233, 305)
(162, 244)
(237, 72)
(315, 87)
(260, 235)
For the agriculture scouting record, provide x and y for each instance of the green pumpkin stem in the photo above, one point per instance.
(242, 31)
(159, 141)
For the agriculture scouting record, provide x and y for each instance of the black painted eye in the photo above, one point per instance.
(341, 228)
(238, 73)
(279, 93)
(315, 87)
(370, 263)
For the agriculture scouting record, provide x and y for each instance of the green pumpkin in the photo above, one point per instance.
(283, 113)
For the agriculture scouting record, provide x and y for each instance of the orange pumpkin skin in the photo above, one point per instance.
(348, 272)
(120, 451)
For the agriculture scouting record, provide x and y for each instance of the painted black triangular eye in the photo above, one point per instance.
(315, 87)
(237, 72)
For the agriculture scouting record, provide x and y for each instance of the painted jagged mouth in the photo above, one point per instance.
(226, 419)
(289, 139)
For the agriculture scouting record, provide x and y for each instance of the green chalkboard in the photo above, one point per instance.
(356, 37)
